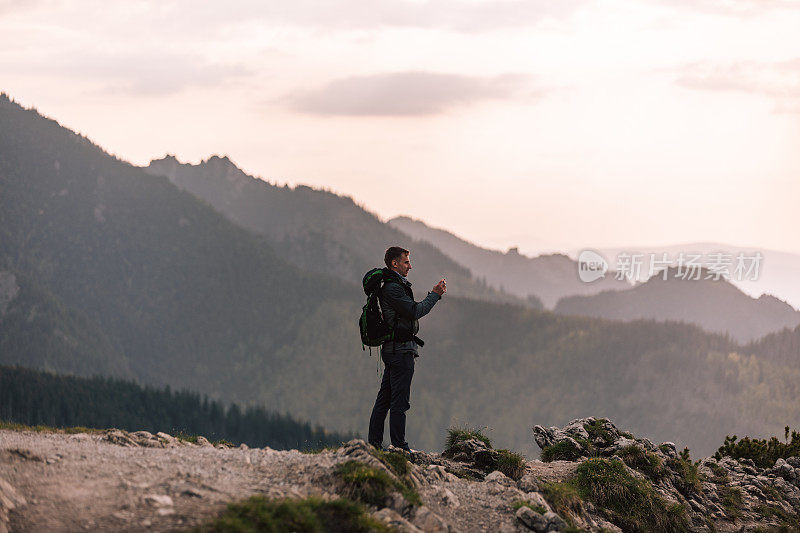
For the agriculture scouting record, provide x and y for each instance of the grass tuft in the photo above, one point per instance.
(563, 497)
(459, 434)
(687, 479)
(372, 485)
(522, 503)
(632, 503)
(645, 462)
(511, 464)
(561, 451)
(309, 515)
(732, 501)
(597, 429)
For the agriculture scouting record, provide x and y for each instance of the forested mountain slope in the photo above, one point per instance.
(186, 297)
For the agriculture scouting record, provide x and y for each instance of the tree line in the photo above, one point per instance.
(34, 397)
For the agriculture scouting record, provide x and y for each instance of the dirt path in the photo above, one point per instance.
(82, 482)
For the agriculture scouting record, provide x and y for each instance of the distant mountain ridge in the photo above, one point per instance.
(547, 277)
(778, 271)
(715, 305)
(186, 297)
(317, 230)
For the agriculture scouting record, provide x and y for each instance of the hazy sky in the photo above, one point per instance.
(548, 124)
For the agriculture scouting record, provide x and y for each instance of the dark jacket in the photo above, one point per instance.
(397, 301)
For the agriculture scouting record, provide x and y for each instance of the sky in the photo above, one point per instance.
(547, 125)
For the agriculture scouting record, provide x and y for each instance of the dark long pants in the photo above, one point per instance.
(393, 395)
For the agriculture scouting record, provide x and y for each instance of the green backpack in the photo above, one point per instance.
(374, 330)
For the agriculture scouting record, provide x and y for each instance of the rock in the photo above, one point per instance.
(399, 504)
(794, 461)
(428, 521)
(27, 455)
(168, 441)
(119, 437)
(158, 500)
(528, 483)
(446, 497)
(783, 469)
(203, 442)
(537, 498)
(620, 444)
(554, 522)
(543, 437)
(395, 521)
(191, 493)
(498, 477)
(668, 449)
(436, 473)
(576, 430)
(146, 439)
(531, 519)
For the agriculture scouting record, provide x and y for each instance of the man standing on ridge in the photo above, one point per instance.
(398, 307)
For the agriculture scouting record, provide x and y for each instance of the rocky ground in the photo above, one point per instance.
(119, 481)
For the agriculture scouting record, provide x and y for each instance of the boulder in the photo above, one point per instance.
(428, 521)
(392, 519)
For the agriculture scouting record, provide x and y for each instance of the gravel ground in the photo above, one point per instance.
(61, 482)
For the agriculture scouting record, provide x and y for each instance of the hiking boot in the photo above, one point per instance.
(405, 450)
(379, 447)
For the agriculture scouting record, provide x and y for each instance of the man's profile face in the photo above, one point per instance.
(402, 264)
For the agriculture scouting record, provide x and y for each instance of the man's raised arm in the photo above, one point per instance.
(403, 305)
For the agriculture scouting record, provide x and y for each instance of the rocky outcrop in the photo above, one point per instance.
(596, 478)
(715, 495)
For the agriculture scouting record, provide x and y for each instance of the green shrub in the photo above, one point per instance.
(395, 461)
(522, 503)
(561, 451)
(458, 434)
(596, 429)
(184, 437)
(563, 497)
(372, 485)
(720, 474)
(645, 462)
(511, 464)
(731, 501)
(632, 503)
(687, 476)
(763, 452)
(309, 515)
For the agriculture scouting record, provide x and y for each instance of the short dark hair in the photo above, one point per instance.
(393, 253)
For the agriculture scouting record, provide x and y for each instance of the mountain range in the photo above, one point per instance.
(317, 230)
(715, 304)
(138, 278)
(546, 277)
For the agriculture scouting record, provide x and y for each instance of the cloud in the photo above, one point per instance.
(742, 8)
(13, 6)
(136, 73)
(406, 93)
(777, 80)
(458, 15)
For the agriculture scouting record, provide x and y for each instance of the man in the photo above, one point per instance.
(397, 304)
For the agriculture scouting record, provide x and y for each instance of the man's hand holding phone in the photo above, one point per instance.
(441, 287)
